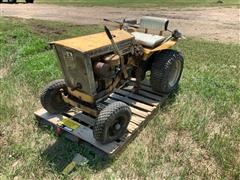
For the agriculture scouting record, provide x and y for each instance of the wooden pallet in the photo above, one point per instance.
(142, 105)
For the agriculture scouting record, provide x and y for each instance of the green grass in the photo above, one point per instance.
(195, 135)
(142, 3)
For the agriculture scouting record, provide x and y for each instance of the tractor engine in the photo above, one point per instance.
(105, 70)
(89, 63)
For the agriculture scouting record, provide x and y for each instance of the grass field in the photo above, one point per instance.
(195, 135)
(142, 3)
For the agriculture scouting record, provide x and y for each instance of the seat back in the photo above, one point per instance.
(148, 22)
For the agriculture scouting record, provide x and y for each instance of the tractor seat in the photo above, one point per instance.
(148, 40)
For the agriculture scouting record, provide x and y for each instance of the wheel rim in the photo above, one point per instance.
(116, 127)
(58, 97)
(175, 70)
(58, 100)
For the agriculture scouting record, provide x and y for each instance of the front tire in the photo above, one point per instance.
(166, 71)
(51, 97)
(112, 122)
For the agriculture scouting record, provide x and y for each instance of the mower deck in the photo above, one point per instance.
(78, 127)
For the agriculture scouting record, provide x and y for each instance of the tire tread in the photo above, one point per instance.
(46, 97)
(106, 115)
(159, 70)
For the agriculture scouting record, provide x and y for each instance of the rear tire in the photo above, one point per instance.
(166, 71)
(112, 122)
(51, 97)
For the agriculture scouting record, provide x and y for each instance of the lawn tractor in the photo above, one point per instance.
(95, 65)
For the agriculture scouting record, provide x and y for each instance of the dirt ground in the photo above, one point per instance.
(213, 23)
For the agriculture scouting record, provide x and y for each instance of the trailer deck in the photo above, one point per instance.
(77, 126)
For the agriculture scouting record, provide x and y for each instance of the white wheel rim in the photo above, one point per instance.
(174, 73)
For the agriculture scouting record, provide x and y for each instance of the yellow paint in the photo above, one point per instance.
(167, 45)
(86, 109)
(69, 168)
(83, 96)
(69, 123)
(94, 41)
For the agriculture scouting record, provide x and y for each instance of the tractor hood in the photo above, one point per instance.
(96, 44)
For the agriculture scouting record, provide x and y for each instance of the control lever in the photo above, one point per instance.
(117, 51)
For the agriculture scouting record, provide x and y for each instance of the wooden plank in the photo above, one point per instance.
(143, 105)
(149, 89)
(84, 118)
(134, 110)
(76, 114)
(132, 102)
(125, 137)
(146, 87)
(83, 132)
(132, 127)
(42, 113)
(137, 120)
(144, 93)
(86, 134)
(138, 97)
